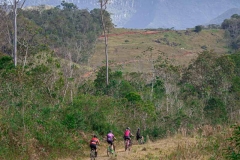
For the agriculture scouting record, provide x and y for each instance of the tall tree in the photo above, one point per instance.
(15, 4)
(103, 7)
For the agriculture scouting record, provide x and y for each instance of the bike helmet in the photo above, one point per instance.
(110, 131)
(95, 135)
(128, 128)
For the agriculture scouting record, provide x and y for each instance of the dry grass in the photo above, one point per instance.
(126, 47)
(197, 146)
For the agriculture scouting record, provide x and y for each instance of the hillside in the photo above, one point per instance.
(126, 47)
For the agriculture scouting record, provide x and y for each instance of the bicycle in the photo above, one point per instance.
(127, 144)
(141, 140)
(110, 151)
(93, 154)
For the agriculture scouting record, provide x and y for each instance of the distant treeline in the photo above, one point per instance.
(64, 29)
(232, 27)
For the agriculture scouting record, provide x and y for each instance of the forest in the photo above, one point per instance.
(46, 106)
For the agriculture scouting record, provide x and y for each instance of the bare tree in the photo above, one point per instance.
(103, 7)
(15, 4)
(5, 27)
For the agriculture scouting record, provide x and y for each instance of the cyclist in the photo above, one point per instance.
(128, 134)
(110, 139)
(93, 143)
(138, 135)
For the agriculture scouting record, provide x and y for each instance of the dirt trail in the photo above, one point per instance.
(157, 150)
(129, 33)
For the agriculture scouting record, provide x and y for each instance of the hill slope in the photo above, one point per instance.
(126, 47)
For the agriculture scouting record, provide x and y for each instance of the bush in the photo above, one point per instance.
(156, 132)
(133, 97)
(204, 47)
(6, 62)
(215, 111)
(233, 150)
(198, 29)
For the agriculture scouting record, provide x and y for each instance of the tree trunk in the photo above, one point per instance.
(15, 33)
(103, 5)
(25, 58)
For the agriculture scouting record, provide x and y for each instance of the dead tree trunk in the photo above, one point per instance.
(103, 6)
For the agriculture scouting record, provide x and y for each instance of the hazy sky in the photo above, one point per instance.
(179, 14)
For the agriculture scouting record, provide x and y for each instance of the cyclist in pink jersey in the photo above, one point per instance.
(127, 134)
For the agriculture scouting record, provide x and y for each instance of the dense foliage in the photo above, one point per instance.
(38, 109)
(64, 29)
(232, 27)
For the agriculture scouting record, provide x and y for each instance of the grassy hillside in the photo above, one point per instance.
(126, 47)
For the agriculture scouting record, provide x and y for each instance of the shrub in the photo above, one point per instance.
(215, 111)
(156, 132)
(6, 62)
(233, 150)
(204, 47)
(198, 29)
(133, 97)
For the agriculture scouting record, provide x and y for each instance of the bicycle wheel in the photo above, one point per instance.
(129, 145)
(126, 144)
(110, 151)
(92, 154)
(140, 141)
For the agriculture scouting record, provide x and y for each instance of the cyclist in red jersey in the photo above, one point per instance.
(93, 143)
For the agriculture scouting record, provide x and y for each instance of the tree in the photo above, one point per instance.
(103, 6)
(99, 81)
(215, 111)
(232, 26)
(5, 34)
(198, 28)
(15, 5)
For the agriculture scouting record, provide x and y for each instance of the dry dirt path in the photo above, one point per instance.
(129, 33)
(152, 150)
